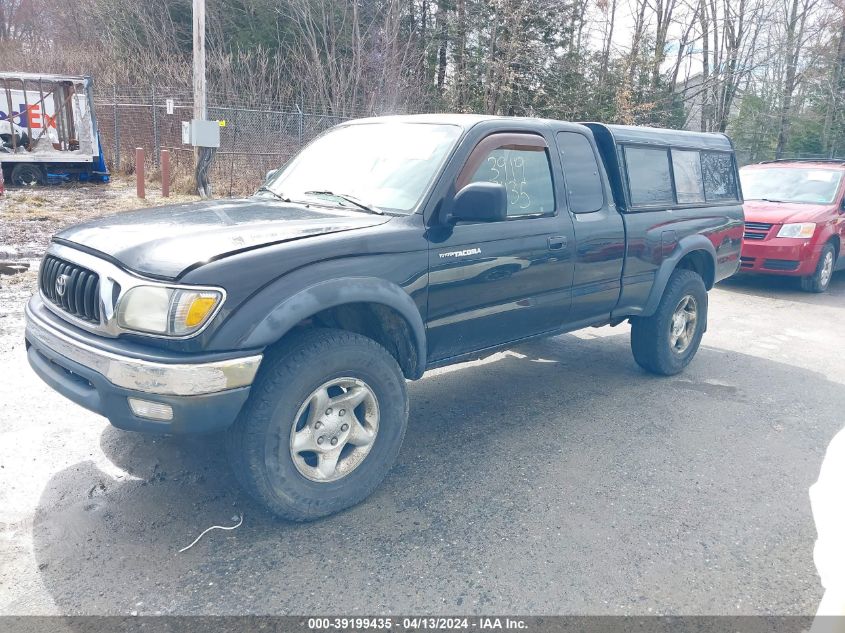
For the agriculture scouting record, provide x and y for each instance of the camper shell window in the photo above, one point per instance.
(654, 169)
(675, 176)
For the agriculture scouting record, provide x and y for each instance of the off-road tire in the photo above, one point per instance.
(650, 340)
(818, 281)
(258, 442)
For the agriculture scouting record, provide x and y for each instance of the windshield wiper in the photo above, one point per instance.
(345, 196)
(273, 193)
(767, 200)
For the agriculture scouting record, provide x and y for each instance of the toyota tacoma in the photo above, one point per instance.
(292, 320)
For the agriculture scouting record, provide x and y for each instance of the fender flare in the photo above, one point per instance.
(685, 246)
(335, 292)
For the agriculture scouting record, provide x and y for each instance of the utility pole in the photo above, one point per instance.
(203, 155)
(199, 60)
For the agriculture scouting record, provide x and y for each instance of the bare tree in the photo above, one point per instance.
(442, 29)
(836, 90)
(796, 21)
(663, 10)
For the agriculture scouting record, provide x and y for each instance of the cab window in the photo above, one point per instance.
(581, 172)
(525, 173)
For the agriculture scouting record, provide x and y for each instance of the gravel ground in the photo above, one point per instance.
(553, 478)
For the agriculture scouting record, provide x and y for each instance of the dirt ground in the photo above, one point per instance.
(29, 216)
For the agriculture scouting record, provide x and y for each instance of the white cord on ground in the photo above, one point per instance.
(213, 527)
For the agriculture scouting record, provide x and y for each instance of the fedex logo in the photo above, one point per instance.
(31, 117)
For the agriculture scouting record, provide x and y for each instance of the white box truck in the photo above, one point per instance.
(48, 129)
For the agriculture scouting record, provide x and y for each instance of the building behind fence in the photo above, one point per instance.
(254, 139)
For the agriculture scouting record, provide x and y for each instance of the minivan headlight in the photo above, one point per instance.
(802, 229)
(166, 311)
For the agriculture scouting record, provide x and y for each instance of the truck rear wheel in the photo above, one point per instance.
(27, 175)
(323, 424)
(665, 342)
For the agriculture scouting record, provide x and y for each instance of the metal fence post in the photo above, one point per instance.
(235, 121)
(155, 125)
(301, 122)
(116, 131)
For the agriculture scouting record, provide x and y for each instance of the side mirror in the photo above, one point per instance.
(270, 174)
(480, 202)
(842, 206)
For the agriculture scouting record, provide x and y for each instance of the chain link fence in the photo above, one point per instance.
(254, 138)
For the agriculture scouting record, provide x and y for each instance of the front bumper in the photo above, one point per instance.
(204, 394)
(780, 256)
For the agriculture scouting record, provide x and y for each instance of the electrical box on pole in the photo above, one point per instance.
(201, 133)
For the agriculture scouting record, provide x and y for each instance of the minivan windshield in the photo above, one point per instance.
(790, 184)
(382, 166)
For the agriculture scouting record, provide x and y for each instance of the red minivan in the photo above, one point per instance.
(794, 219)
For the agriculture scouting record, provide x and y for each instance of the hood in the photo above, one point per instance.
(164, 241)
(785, 212)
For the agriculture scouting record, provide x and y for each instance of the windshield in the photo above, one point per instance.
(790, 184)
(388, 166)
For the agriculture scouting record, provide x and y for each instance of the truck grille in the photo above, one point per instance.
(757, 230)
(80, 288)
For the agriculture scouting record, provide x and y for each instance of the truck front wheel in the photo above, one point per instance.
(323, 424)
(665, 342)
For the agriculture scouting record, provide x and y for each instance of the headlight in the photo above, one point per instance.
(166, 311)
(804, 229)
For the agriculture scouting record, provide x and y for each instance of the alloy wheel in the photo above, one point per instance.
(683, 324)
(335, 429)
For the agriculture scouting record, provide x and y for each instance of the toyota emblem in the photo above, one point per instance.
(61, 285)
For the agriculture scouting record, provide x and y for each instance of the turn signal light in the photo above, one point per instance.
(199, 309)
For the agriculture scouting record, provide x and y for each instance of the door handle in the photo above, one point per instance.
(558, 242)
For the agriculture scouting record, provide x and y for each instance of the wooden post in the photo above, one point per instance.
(139, 172)
(165, 173)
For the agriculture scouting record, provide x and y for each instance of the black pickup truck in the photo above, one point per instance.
(387, 247)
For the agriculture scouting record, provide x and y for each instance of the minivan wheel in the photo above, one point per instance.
(665, 342)
(820, 279)
(323, 424)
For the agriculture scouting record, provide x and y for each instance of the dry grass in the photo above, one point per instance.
(29, 217)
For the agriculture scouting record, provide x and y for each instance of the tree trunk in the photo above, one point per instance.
(704, 87)
(442, 27)
(837, 89)
(608, 41)
(792, 50)
(664, 19)
(460, 56)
